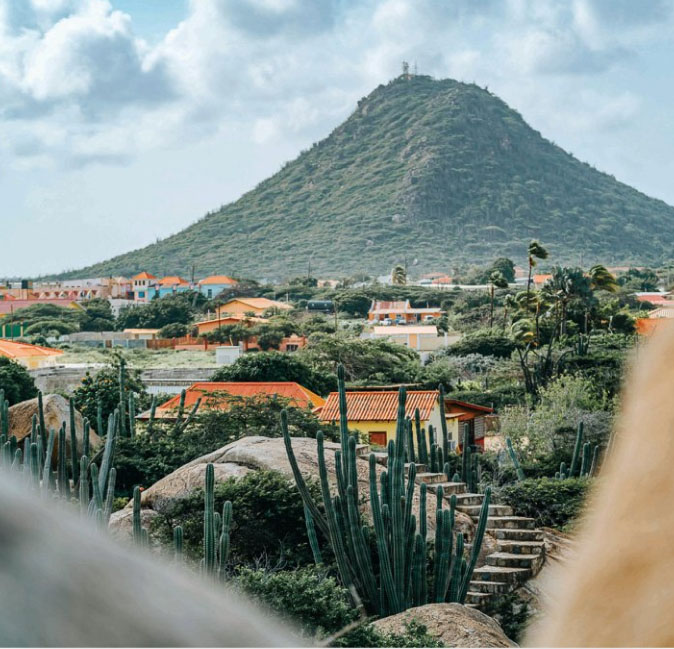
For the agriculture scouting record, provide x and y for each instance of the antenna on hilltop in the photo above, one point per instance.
(406, 70)
(415, 69)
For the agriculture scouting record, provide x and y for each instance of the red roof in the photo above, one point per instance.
(213, 394)
(661, 299)
(466, 410)
(144, 275)
(379, 406)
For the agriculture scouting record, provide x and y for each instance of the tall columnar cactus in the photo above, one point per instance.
(132, 414)
(153, 413)
(209, 520)
(513, 456)
(41, 418)
(122, 398)
(313, 538)
(443, 423)
(577, 450)
(137, 523)
(73, 442)
(421, 438)
(178, 543)
(395, 576)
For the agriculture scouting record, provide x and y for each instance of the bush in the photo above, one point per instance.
(511, 612)
(498, 398)
(174, 330)
(552, 503)
(15, 380)
(276, 366)
(485, 343)
(416, 635)
(47, 327)
(268, 522)
(306, 597)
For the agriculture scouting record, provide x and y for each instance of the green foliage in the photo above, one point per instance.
(276, 366)
(159, 312)
(104, 388)
(485, 343)
(498, 398)
(50, 328)
(415, 635)
(511, 612)
(17, 384)
(174, 330)
(552, 503)
(402, 168)
(97, 316)
(364, 361)
(268, 526)
(307, 597)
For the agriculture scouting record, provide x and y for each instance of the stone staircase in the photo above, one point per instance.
(520, 549)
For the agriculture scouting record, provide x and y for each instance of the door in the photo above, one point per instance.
(378, 438)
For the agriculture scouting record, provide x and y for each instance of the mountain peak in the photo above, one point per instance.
(439, 170)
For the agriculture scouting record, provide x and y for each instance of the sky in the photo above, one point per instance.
(123, 121)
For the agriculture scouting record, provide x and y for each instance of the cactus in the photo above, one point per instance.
(84, 485)
(515, 461)
(594, 467)
(562, 471)
(137, 526)
(108, 451)
(178, 544)
(313, 538)
(182, 425)
(132, 414)
(73, 443)
(153, 412)
(122, 401)
(421, 438)
(41, 420)
(394, 576)
(576, 451)
(209, 523)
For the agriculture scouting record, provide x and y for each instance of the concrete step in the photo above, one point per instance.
(521, 547)
(510, 522)
(466, 500)
(362, 449)
(431, 478)
(494, 510)
(382, 458)
(514, 534)
(510, 560)
(490, 586)
(478, 599)
(500, 574)
(448, 488)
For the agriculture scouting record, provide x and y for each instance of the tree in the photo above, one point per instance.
(174, 330)
(399, 275)
(535, 251)
(97, 316)
(496, 280)
(269, 336)
(158, 313)
(506, 267)
(276, 366)
(16, 382)
(602, 280)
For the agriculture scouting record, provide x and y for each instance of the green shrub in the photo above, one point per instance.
(511, 612)
(268, 519)
(174, 330)
(485, 343)
(551, 502)
(307, 597)
(15, 380)
(416, 635)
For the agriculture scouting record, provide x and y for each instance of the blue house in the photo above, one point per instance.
(212, 286)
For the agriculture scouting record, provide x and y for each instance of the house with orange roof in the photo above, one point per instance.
(171, 285)
(32, 357)
(255, 306)
(215, 322)
(539, 280)
(143, 287)
(216, 284)
(220, 396)
(375, 413)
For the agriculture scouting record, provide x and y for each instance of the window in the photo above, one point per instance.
(210, 293)
(377, 438)
(141, 294)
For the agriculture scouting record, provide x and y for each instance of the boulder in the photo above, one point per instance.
(56, 411)
(453, 624)
(262, 453)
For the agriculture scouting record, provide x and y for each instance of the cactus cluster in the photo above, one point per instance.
(76, 478)
(585, 459)
(389, 566)
(469, 460)
(515, 460)
(217, 529)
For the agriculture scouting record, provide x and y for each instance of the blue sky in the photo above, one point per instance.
(122, 121)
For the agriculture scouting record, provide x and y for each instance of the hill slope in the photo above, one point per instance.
(435, 170)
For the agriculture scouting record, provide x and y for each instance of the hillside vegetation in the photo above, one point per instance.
(436, 170)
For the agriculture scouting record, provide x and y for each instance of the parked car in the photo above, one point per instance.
(401, 321)
(386, 322)
(428, 318)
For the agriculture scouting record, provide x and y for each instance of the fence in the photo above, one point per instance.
(191, 342)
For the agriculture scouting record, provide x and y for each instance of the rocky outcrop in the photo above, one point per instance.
(250, 454)
(56, 411)
(454, 625)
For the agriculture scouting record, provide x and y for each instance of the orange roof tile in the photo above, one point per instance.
(257, 303)
(144, 275)
(173, 280)
(541, 279)
(217, 279)
(379, 406)
(213, 394)
(12, 349)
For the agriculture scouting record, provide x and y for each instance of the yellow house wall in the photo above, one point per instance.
(389, 427)
(238, 308)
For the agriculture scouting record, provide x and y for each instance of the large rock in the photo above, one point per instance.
(56, 411)
(455, 625)
(259, 453)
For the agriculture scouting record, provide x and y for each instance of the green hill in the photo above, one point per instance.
(440, 171)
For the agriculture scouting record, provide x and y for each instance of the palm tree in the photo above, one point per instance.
(496, 280)
(509, 304)
(399, 275)
(536, 251)
(602, 280)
